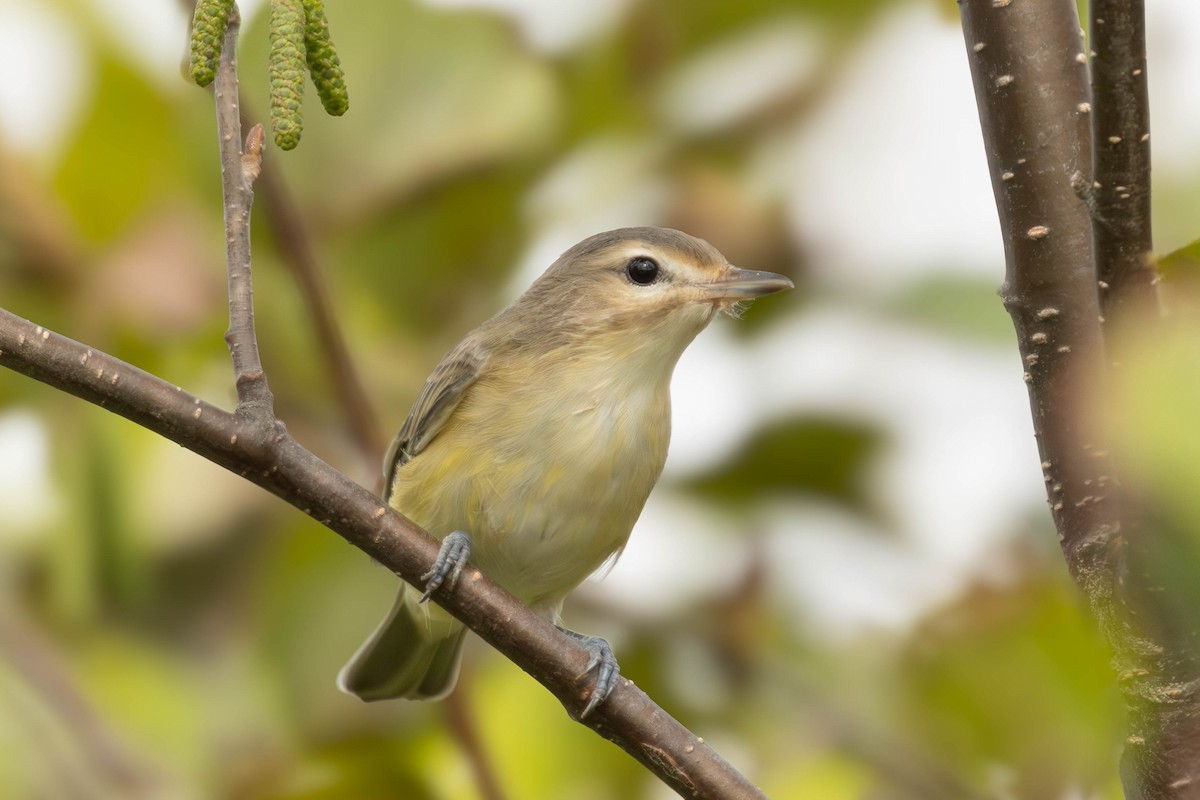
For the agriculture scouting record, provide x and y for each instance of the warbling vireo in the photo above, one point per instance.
(534, 444)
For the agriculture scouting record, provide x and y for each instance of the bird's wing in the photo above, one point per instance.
(439, 397)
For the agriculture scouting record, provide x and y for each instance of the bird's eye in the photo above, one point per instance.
(642, 271)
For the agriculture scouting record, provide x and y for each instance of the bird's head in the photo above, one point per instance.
(633, 283)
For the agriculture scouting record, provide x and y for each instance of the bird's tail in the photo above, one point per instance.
(415, 653)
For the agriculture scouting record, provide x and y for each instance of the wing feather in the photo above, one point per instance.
(442, 393)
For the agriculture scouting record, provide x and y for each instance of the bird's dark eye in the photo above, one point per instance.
(642, 271)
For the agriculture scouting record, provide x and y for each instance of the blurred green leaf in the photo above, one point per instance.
(962, 307)
(1014, 678)
(123, 574)
(1180, 270)
(542, 757)
(150, 696)
(1178, 262)
(695, 24)
(440, 256)
(1157, 398)
(363, 768)
(123, 156)
(829, 778)
(1158, 391)
(811, 455)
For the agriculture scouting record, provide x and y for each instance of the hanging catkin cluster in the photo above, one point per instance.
(300, 42)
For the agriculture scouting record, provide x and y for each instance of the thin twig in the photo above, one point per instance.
(1121, 160)
(238, 171)
(283, 219)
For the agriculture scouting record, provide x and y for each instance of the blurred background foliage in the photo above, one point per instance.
(846, 581)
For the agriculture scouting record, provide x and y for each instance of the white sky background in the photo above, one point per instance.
(895, 141)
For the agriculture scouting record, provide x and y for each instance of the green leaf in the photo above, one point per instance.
(363, 767)
(1181, 263)
(438, 262)
(126, 154)
(812, 455)
(1180, 271)
(956, 305)
(1157, 437)
(1015, 675)
(831, 777)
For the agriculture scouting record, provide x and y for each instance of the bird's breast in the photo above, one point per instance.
(548, 483)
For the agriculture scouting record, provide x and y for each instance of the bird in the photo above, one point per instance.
(534, 444)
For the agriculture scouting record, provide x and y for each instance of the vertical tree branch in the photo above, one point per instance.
(1163, 759)
(1031, 88)
(1121, 159)
(1029, 70)
(238, 171)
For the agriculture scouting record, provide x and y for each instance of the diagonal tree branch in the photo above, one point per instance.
(253, 444)
(629, 718)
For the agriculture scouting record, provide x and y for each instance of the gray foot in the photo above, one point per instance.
(449, 564)
(601, 661)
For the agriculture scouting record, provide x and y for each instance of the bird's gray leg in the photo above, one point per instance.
(450, 561)
(600, 660)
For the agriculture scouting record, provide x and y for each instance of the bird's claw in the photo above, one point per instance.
(601, 661)
(449, 564)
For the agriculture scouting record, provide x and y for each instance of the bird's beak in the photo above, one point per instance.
(746, 284)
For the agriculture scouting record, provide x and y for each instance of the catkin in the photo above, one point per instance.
(323, 62)
(208, 32)
(286, 71)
